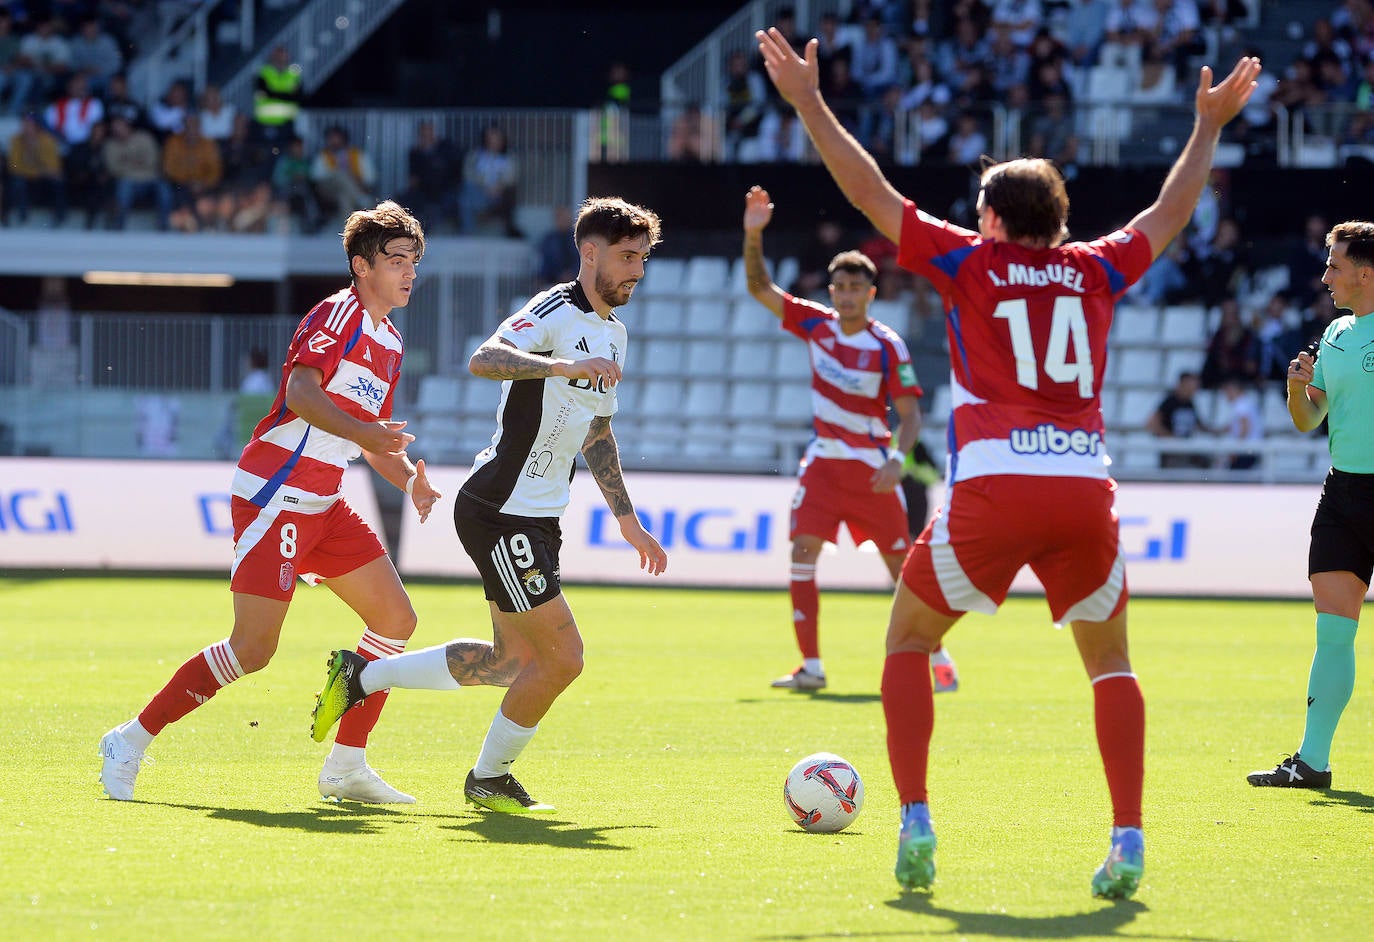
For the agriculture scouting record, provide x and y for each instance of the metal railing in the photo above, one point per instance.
(321, 36)
(14, 345)
(551, 146)
(699, 75)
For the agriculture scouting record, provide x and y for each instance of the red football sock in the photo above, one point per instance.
(1119, 712)
(806, 609)
(196, 681)
(357, 723)
(909, 706)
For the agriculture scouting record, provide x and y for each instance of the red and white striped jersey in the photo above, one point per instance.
(288, 460)
(1027, 341)
(852, 378)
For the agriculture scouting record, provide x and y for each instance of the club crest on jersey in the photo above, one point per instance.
(1368, 362)
(535, 583)
(286, 576)
(321, 342)
(864, 358)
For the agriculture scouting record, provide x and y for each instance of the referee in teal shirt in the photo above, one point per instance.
(1337, 383)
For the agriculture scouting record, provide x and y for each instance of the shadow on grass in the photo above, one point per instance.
(530, 829)
(816, 695)
(1110, 919)
(326, 818)
(1357, 800)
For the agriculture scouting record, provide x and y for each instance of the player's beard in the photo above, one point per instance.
(613, 293)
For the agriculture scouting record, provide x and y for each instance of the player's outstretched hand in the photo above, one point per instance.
(758, 209)
(386, 438)
(1218, 105)
(423, 494)
(652, 557)
(796, 78)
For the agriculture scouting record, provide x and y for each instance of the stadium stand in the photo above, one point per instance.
(721, 382)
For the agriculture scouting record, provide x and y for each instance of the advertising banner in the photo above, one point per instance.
(97, 514)
(723, 530)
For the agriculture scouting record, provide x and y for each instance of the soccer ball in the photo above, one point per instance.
(823, 793)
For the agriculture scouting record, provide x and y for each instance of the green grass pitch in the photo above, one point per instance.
(666, 761)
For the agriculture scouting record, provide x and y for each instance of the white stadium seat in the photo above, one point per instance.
(1135, 367)
(660, 358)
(894, 314)
(706, 358)
(705, 400)
(1181, 361)
(1184, 326)
(793, 401)
(707, 317)
(706, 274)
(793, 360)
(661, 397)
(750, 358)
(750, 399)
(1137, 405)
(1134, 325)
(749, 318)
(663, 277)
(441, 394)
(658, 317)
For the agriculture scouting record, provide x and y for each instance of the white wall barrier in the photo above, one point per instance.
(1236, 539)
(95, 514)
(1180, 539)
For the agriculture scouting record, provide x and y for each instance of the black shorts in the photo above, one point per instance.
(517, 556)
(1343, 527)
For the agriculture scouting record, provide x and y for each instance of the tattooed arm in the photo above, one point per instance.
(603, 459)
(498, 358)
(758, 212)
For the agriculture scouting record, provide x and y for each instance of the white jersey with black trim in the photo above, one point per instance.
(542, 423)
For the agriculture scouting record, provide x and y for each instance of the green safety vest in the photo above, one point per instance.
(267, 107)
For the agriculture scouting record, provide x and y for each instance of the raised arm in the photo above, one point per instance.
(858, 176)
(1215, 106)
(758, 212)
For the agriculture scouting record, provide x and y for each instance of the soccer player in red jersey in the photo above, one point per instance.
(849, 472)
(1027, 317)
(290, 519)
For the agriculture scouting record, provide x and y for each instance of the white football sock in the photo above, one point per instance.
(812, 665)
(503, 745)
(426, 669)
(346, 757)
(137, 736)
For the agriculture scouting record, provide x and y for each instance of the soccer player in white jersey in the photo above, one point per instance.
(559, 359)
(290, 519)
(1027, 317)
(850, 474)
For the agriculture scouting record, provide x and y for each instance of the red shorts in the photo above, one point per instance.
(834, 491)
(1065, 529)
(272, 547)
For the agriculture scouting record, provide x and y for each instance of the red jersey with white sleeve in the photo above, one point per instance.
(289, 462)
(852, 378)
(1028, 344)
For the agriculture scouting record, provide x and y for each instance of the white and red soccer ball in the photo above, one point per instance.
(823, 793)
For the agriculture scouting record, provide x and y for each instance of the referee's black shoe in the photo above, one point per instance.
(1292, 772)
